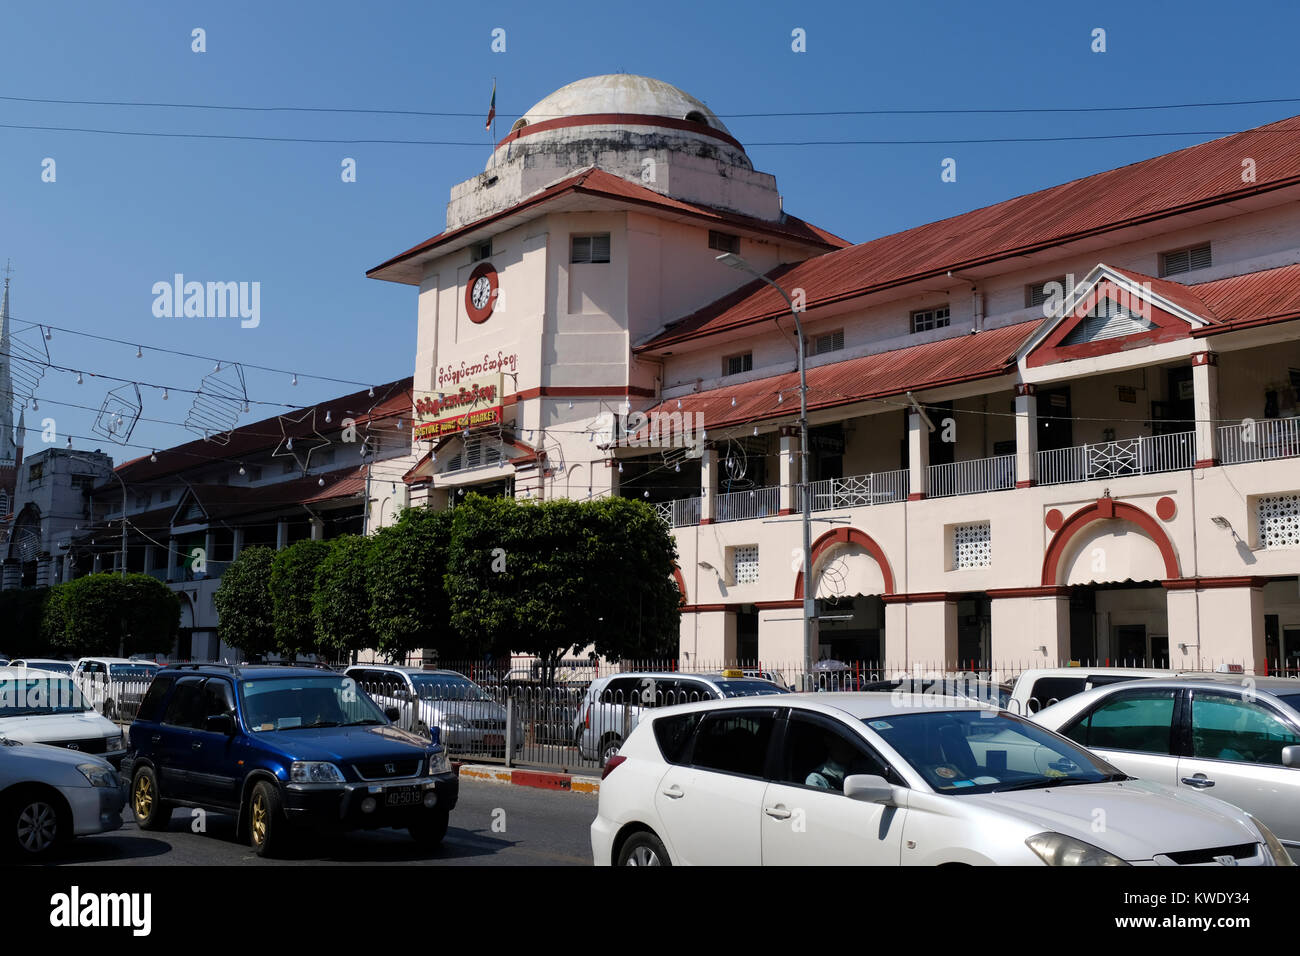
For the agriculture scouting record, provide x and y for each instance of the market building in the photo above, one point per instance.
(1060, 427)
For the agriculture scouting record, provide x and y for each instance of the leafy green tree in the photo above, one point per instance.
(292, 583)
(243, 603)
(340, 600)
(404, 579)
(23, 611)
(109, 614)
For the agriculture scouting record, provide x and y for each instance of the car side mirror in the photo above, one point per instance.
(220, 724)
(1291, 756)
(869, 788)
(393, 714)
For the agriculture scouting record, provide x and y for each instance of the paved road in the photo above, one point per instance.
(541, 827)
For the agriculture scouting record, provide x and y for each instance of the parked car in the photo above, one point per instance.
(865, 779)
(43, 664)
(1239, 739)
(1041, 687)
(41, 707)
(951, 685)
(284, 749)
(49, 795)
(613, 705)
(115, 685)
(469, 718)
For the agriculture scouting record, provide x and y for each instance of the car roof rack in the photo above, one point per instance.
(231, 668)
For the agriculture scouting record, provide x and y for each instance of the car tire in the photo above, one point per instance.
(36, 825)
(609, 746)
(429, 829)
(643, 849)
(267, 826)
(151, 811)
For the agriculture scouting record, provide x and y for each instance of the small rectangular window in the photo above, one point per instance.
(1185, 260)
(736, 364)
(480, 250)
(828, 342)
(724, 241)
(927, 319)
(590, 248)
(1039, 293)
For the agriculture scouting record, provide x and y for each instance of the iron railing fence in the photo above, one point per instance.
(752, 503)
(1142, 455)
(1264, 440)
(116, 699)
(972, 477)
(857, 491)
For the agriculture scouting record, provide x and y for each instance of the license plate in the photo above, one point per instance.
(494, 740)
(402, 796)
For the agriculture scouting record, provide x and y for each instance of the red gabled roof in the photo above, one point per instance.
(391, 400)
(1257, 298)
(1204, 175)
(930, 365)
(598, 183)
(1184, 296)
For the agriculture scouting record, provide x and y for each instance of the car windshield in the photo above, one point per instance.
(39, 696)
(312, 700)
(57, 667)
(447, 687)
(748, 688)
(131, 671)
(984, 751)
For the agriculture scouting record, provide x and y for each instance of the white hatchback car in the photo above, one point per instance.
(883, 779)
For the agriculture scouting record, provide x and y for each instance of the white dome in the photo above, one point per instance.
(622, 93)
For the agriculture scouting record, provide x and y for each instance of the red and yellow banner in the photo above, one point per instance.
(475, 404)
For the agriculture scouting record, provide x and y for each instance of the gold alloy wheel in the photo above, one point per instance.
(143, 797)
(259, 819)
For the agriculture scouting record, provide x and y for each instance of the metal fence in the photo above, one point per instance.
(117, 700)
(742, 505)
(973, 477)
(858, 491)
(1142, 455)
(1263, 440)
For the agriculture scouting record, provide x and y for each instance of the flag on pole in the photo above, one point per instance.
(492, 109)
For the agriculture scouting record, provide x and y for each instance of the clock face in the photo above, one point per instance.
(481, 292)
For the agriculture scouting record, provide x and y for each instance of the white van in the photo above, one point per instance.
(1042, 687)
(40, 707)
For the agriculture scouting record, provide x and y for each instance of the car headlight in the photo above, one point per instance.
(98, 775)
(314, 771)
(455, 720)
(438, 763)
(1275, 848)
(113, 743)
(1057, 849)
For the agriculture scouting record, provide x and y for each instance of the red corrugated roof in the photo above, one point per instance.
(1183, 296)
(391, 400)
(930, 365)
(1203, 175)
(1272, 295)
(598, 183)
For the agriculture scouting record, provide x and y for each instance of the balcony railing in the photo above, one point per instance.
(857, 491)
(742, 505)
(681, 513)
(1263, 440)
(1116, 459)
(973, 477)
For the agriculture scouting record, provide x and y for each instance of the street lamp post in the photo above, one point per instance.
(809, 601)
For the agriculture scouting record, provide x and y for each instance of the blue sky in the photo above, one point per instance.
(128, 211)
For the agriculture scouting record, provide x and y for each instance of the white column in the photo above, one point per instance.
(789, 460)
(317, 529)
(1205, 388)
(708, 484)
(1026, 436)
(172, 555)
(281, 534)
(918, 457)
(238, 543)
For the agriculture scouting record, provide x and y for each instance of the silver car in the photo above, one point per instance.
(48, 795)
(1237, 738)
(469, 719)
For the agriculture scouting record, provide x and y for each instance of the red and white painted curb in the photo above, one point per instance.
(516, 776)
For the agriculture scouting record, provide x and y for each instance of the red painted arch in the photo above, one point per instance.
(848, 536)
(681, 582)
(1104, 509)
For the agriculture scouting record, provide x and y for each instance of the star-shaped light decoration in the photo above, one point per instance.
(118, 414)
(301, 448)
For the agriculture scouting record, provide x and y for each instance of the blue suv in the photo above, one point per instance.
(282, 748)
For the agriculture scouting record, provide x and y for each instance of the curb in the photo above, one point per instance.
(541, 779)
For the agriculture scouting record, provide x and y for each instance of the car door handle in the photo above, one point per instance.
(675, 792)
(778, 813)
(1200, 781)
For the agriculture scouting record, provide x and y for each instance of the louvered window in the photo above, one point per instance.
(1107, 320)
(1038, 294)
(1185, 260)
(591, 248)
(476, 453)
(830, 342)
(724, 241)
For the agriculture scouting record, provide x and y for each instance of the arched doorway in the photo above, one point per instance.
(852, 576)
